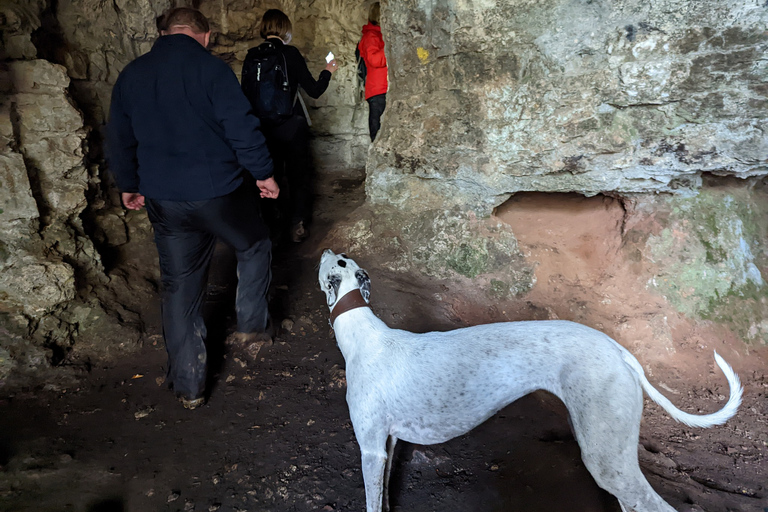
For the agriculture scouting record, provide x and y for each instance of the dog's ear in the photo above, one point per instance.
(364, 283)
(332, 288)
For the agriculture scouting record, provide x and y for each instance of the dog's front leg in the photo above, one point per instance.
(373, 442)
(373, 476)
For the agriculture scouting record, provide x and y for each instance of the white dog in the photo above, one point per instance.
(429, 388)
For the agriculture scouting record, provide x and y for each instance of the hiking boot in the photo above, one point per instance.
(191, 403)
(299, 232)
(243, 339)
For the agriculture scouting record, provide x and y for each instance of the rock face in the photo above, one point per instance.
(42, 193)
(50, 271)
(491, 98)
(44, 182)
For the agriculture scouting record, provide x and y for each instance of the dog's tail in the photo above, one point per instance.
(693, 420)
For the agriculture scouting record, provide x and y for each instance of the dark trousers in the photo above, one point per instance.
(376, 106)
(185, 235)
(288, 143)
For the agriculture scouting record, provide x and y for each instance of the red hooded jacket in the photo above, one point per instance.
(372, 50)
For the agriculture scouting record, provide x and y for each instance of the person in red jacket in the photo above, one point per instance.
(371, 48)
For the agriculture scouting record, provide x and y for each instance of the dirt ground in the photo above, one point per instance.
(276, 436)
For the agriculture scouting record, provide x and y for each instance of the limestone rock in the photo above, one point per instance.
(36, 286)
(17, 22)
(16, 200)
(487, 99)
(444, 244)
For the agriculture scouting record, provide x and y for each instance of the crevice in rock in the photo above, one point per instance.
(643, 105)
(49, 38)
(33, 174)
(723, 487)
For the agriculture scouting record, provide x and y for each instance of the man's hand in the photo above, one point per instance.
(268, 188)
(133, 200)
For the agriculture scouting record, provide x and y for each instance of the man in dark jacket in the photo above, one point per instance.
(179, 138)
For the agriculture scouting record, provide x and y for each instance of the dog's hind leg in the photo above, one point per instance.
(391, 442)
(607, 427)
(616, 470)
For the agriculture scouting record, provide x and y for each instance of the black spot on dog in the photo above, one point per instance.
(342, 263)
(364, 283)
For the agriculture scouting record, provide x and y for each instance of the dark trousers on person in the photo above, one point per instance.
(185, 235)
(288, 143)
(376, 106)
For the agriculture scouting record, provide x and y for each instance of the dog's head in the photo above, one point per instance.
(339, 275)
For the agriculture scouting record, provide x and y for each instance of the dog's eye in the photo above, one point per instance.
(342, 263)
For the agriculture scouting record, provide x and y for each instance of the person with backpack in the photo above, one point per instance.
(371, 47)
(272, 74)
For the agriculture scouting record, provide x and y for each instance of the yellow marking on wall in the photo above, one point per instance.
(423, 54)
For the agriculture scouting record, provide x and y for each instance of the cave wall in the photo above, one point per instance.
(491, 98)
(658, 105)
(53, 285)
(95, 40)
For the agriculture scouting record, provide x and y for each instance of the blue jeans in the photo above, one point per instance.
(185, 235)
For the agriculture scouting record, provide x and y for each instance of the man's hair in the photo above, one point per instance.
(185, 17)
(275, 23)
(374, 13)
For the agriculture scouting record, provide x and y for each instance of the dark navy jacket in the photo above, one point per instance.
(179, 125)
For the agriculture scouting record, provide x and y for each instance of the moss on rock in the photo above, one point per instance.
(710, 258)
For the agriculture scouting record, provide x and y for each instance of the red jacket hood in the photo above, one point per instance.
(370, 27)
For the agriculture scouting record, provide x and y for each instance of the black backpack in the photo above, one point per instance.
(265, 82)
(362, 71)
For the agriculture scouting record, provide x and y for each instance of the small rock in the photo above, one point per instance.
(230, 378)
(143, 413)
(189, 505)
(173, 496)
(287, 324)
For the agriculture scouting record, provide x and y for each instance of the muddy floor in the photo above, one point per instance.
(275, 434)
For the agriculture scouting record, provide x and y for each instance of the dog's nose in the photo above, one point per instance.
(327, 252)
